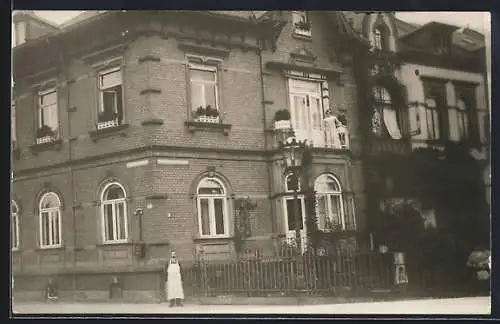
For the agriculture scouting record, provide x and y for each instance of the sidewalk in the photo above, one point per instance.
(472, 305)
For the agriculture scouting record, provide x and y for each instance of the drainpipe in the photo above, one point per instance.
(269, 166)
(64, 62)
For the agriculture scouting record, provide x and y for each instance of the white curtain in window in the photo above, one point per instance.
(50, 116)
(391, 123)
(111, 79)
(300, 116)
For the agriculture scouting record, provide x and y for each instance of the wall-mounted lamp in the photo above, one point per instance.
(139, 212)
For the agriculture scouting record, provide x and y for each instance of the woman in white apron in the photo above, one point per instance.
(175, 292)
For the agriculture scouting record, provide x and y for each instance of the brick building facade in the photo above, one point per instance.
(118, 160)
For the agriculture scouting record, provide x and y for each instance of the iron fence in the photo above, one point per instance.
(258, 275)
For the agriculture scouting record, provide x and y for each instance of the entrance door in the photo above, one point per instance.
(306, 111)
(290, 219)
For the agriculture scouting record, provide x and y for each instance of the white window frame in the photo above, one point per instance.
(300, 16)
(328, 195)
(211, 210)
(432, 126)
(114, 203)
(102, 89)
(462, 120)
(289, 197)
(52, 213)
(15, 225)
(41, 106)
(205, 68)
(294, 90)
(378, 42)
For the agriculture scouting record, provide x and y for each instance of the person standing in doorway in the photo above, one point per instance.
(175, 292)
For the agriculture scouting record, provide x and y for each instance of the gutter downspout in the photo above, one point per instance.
(269, 160)
(70, 168)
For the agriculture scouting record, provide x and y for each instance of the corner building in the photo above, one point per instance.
(157, 134)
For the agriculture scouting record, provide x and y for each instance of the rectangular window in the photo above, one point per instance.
(436, 114)
(212, 216)
(204, 93)
(114, 222)
(13, 123)
(306, 111)
(432, 122)
(301, 23)
(110, 112)
(48, 122)
(50, 229)
(467, 115)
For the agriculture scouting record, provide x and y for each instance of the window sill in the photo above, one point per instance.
(194, 126)
(98, 134)
(52, 145)
(224, 238)
(118, 243)
(50, 248)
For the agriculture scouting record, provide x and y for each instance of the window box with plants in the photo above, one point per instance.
(45, 134)
(303, 26)
(282, 119)
(206, 115)
(107, 119)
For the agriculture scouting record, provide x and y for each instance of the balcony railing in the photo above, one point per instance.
(330, 134)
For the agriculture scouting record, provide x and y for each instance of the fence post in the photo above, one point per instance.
(203, 272)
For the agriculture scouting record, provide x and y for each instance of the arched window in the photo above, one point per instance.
(462, 119)
(212, 208)
(385, 108)
(330, 203)
(114, 213)
(14, 212)
(50, 220)
(378, 39)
